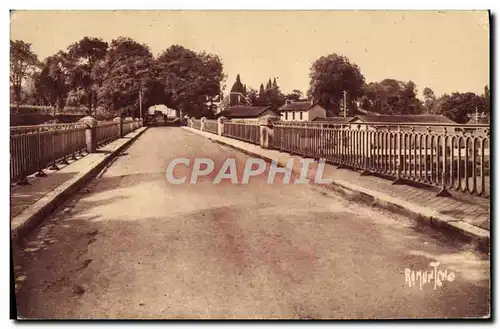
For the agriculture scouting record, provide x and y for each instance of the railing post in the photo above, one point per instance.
(119, 121)
(399, 157)
(444, 190)
(266, 125)
(40, 172)
(366, 152)
(90, 133)
(343, 146)
(220, 126)
(202, 123)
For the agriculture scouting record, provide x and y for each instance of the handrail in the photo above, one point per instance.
(440, 158)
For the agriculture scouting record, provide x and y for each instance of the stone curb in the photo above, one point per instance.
(29, 218)
(428, 215)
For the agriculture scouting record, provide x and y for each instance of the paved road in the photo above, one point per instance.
(130, 245)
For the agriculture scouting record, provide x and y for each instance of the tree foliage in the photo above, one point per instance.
(126, 72)
(189, 79)
(429, 100)
(332, 75)
(295, 95)
(23, 61)
(391, 96)
(458, 106)
(85, 56)
(52, 83)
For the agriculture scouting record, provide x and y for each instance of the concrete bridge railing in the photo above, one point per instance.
(34, 148)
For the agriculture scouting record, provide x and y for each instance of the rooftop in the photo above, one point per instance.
(333, 119)
(297, 106)
(243, 111)
(416, 118)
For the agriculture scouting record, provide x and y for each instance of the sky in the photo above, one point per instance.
(447, 51)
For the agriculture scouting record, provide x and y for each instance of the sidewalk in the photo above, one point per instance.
(29, 204)
(468, 215)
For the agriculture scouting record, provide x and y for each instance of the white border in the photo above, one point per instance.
(191, 5)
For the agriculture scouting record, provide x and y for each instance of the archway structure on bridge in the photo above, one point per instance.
(166, 111)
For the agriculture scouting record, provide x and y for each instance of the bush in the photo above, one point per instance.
(24, 109)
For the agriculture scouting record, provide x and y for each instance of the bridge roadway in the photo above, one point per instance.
(130, 245)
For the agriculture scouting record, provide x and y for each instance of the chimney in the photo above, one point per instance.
(288, 101)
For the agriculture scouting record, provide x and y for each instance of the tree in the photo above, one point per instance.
(429, 100)
(487, 100)
(213, 76)
(126, 71)
(391, 96)
(295, 95)
(332, 75)
(261, 91)
(253, 96)
(29, 92)
(270, 96)
(409, 103)
(189, 79)
(85, 55)
(23, 61)
(53, 81)
(458, 106)
(238, 86)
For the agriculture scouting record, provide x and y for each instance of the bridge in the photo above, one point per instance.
(102, 233)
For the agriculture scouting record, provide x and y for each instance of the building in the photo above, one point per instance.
(301, 111)
(247, 113)
(233, 99)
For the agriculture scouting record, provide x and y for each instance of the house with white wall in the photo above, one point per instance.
(301, 111)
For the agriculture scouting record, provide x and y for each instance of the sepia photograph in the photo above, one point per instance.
(250, 164)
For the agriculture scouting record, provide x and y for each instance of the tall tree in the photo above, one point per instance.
(53, 80)
(23, 61)
(274, 97)
(261, 91)
(459, 106)
(127, 71)
(189, 79)
(409, 103)
(330, 76)
(85, 55)
(269, 84)
(429, 100)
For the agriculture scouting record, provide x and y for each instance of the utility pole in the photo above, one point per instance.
(140, 103)
(345, 103)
